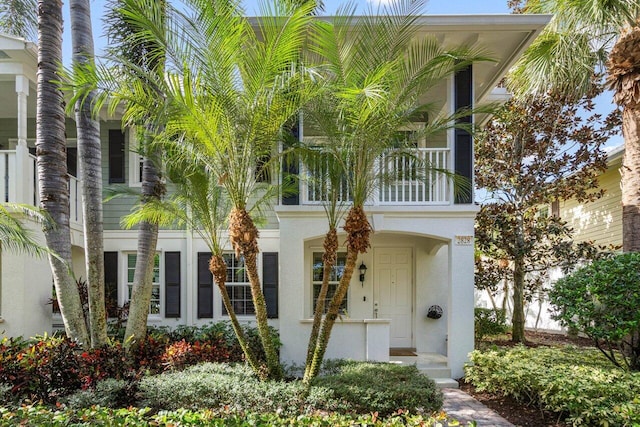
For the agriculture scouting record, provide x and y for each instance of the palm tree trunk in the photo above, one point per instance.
(52, 173)
(328, 261)
(630, 178)
(90, 159)
(358, 241)
(244, 238)
(218, 268)
(330, 318)
(136, 330)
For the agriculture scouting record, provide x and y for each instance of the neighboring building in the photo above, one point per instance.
(421, 254)
(599, 221)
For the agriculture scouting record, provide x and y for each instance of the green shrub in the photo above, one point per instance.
(579, 384)
(601, 300)
(488, 322)
(109, 393)
(380, 387)
(218, 386)
(353, 387)
(133, 417)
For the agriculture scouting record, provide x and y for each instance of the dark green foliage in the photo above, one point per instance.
(578, 384)
(489, 321)
(602, 300)
(380, 387)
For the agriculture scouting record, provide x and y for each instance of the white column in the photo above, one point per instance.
(22, 90)
(461, 318)
(23, 182)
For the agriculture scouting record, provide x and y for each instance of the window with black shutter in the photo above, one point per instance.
(205, 287)
(172, 284)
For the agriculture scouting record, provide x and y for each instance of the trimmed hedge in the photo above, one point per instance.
(578, 384)
(350, 387)
(380, 387)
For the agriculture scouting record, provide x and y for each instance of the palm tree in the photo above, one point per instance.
(90, 159)
(375, 69)
(564, 58)
(14, 236)
(229, 89)
(51, 164)
(141, 66)
(239, 90)
(19, 18)
(198, 203)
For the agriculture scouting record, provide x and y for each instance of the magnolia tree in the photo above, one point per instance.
(532, 154)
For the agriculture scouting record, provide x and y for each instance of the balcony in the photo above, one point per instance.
(415, 178)
(19, 183)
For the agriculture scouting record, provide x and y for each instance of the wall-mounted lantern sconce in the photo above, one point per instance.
(363, 271)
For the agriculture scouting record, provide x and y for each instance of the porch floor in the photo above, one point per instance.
(433, 365)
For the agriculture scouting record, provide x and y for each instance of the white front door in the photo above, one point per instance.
(393, 292)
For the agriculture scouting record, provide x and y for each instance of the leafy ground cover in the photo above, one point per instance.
(574, 384)
(194, 376)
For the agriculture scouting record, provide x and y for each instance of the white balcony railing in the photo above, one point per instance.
(417, 177)
(19, 182)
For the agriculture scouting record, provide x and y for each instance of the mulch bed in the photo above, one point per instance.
(516, 412)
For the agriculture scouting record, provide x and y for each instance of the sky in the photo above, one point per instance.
(436, 7)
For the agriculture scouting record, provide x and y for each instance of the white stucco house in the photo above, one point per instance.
(422, 248)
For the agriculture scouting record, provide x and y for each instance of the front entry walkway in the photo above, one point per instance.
(458, 405)
(464, 408)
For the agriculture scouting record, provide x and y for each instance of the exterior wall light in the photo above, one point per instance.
(363, 271)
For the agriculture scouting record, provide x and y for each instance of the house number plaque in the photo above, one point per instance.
(464, 240)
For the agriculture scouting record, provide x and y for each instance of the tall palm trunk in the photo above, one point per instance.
(136, 330)
(358, 241)
(329, 258)
(624, 63)
(630, 179)
(218, 268)
(90, 159)
(244, 238)
(51, 161)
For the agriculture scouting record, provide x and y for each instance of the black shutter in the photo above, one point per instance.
(463, 162)
(72, 161)
(172, 284)
(270, 283)
(111, 283)
(290, 171)
(205, 287)
(116, 156)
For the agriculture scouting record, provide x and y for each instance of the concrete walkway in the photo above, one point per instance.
(462, 407)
